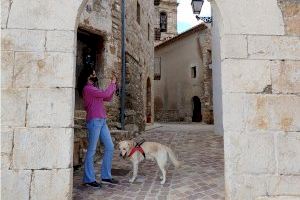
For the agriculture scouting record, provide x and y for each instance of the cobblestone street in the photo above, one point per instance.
(201, 176)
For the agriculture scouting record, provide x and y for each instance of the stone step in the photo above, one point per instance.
(79, 114)
(79, 121)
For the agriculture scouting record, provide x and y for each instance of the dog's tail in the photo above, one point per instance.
(173, 158)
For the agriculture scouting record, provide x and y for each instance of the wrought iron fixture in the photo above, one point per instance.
(205, 19)
(197, 6)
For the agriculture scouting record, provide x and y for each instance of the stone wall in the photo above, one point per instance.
(37, 104)
(206, 96)
(140, 56)
(104, 19)
(258, 71)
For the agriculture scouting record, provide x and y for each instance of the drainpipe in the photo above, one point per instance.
(123, 82)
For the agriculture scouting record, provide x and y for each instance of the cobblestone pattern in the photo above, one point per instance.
(201, 177)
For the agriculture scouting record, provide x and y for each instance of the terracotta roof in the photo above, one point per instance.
(190, 31)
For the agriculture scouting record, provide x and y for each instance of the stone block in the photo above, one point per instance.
(44, 69)
(59, 15)
(291, 15)
(50, 107)
(15, 184)
(234, 46)
(233, 112)
(63, 41)
(273, 47)
(49, 148)
(249, 187)
(100, 19)
(283, 185)
(286, 77)
(288, 150)
(6, 147)
(266, 17)
(51, 184)
(5, 161)
(7, 68)
(13, 104)
(250, 152)
(278, 198)
(245, 75)
(22, 40)
(5, 4)
(270, 112)
(132, 128)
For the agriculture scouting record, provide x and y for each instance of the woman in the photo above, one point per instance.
(93, 98)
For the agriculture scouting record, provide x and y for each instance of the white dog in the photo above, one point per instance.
(148, 150)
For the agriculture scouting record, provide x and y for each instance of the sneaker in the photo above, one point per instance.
(110, 181)
(94, 184)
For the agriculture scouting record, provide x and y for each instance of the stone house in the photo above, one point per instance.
(183, 77)
(255, 63)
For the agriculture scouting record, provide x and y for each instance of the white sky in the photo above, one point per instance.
(185, 17)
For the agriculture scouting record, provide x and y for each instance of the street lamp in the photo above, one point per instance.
(197, 6)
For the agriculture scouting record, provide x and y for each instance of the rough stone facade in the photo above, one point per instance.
(256, 68)
(170, 8)
(183, 77)
(103, 18)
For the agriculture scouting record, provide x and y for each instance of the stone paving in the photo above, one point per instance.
(201, 176)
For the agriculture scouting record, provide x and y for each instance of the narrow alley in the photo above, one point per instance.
(200, 177)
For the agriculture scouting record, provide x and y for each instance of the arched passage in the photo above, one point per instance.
(251, 41)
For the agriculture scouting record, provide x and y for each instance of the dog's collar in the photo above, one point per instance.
(137, 148)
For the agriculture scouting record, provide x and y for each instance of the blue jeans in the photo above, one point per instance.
(97, 129)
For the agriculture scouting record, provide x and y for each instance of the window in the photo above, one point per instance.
(148, 32)
(138, 13)
(157, 33)
(163, 22)
(194, 72)
(157, 68)
(156, 2)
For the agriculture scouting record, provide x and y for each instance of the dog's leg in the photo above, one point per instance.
(163, 171)
(135, 171)
(162, 161)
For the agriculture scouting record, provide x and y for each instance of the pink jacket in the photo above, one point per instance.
(93, 100)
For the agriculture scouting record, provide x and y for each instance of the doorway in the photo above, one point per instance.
(89, 54)
(148, 110)
(197, 115)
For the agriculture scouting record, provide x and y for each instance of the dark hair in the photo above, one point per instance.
(83, 77)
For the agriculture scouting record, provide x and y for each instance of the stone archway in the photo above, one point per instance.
(253, 40)
(250, 55)
(38, 43)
